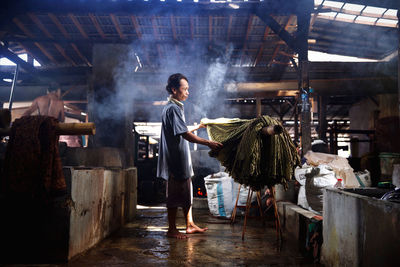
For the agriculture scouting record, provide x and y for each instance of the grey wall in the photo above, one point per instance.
(359, 230)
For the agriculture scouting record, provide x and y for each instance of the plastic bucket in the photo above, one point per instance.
(387, 160)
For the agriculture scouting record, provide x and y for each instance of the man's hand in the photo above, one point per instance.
(202, 126)
(214, 145)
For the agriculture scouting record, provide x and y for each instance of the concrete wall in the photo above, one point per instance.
(99, 199)
(359, 230)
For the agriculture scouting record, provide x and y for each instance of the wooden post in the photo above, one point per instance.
(398, 60)
(322, 117)
(296, 123)
(303, 22)
(258, 106)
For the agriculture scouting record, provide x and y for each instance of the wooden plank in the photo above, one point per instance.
(97, 25)
(78, 25)
(81, 55)
(59, 26)
(117, 27)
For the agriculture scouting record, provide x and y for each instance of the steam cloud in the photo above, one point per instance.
(134, 91)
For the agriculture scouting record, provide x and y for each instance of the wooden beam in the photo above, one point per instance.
(156, 35)
(40, 25)
(49, 35)
(29, 34)
(174, 35)
(139, 34)
(228, 36)
(154, 24)
(261, 49)
(258, 107)
(81, 55)
(27, 51)
(136, 26)
(173, 27)
(44, 51)
(278, 46)
(97, 25)
(272, 60)
(398, 60)
(287, 54)
(210, 24)
(78, 25)
(67, 36)
(278, 29)
(323, 125)
(303, 22)
(191, 27)
(249, 24)
(23, 28)
(281, 63)
(117, 27)
(16, 59)
(62, 52)
(274, 109)
(59, 26)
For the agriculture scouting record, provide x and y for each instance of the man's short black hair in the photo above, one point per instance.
(174, 81)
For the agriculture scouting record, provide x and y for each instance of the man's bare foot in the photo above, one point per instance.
(192, 228)
(176, 234)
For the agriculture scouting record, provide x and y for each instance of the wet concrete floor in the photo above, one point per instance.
(143, 242)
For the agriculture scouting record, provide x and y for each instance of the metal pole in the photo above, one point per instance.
(14, 82)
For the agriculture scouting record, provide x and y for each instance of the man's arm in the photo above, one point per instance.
(31, 109)
(195, 139)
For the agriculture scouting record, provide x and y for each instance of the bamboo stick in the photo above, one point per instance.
(272, 130)
(88, 128)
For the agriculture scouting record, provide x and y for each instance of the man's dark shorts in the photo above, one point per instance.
(179, 192)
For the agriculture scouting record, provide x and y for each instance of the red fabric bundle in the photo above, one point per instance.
(32, 165)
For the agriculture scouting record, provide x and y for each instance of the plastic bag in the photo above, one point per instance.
(219, 195)
(319, 178)
(340, 166)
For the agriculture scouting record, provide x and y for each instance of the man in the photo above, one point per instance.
(48, 105)
(174, 161)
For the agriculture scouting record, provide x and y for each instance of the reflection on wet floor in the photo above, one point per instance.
(143, 242)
